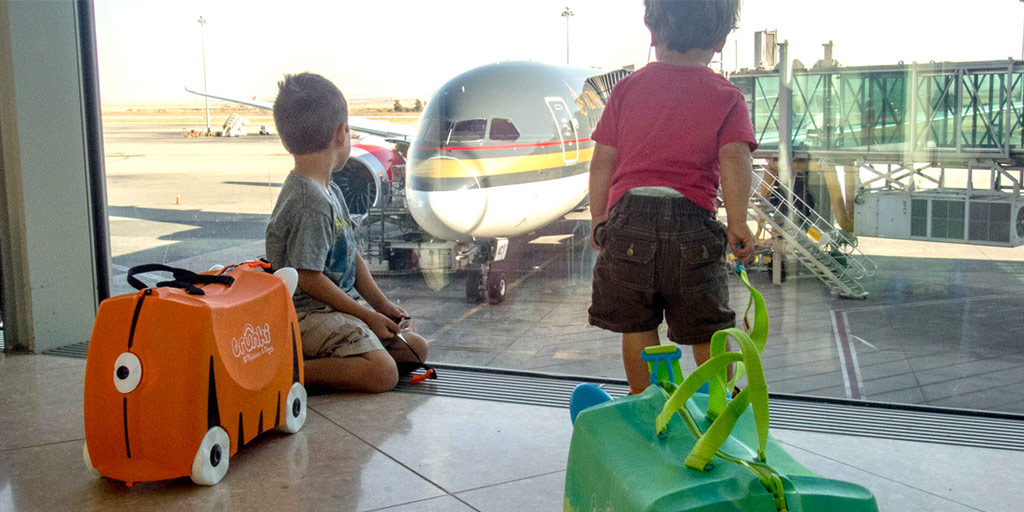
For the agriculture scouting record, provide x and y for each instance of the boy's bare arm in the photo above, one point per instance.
(735, 171)
(321, 288)
(602, 167)
(368, 289)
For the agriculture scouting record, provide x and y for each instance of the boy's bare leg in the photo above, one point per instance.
(372, 372)
(633, 343)
(401, 353)
(702, 353)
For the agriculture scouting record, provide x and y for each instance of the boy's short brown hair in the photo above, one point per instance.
(308, 111)
(684, 25)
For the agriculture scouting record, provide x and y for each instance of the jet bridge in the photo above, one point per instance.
(935, 151)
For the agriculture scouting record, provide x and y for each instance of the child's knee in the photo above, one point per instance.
(383, 376)
(417, 343)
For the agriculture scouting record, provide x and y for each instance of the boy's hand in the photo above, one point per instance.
(741, 240)
(382, 326)
(392, 311)
(594, 224)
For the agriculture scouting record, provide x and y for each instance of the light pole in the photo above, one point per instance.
(566, 14)
(202, 39)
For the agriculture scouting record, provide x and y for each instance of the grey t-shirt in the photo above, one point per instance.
(310, 229)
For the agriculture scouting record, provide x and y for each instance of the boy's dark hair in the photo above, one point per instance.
(684, 25)
(308, 111)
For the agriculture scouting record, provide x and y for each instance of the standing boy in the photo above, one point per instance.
(671, 132)
(345, 344)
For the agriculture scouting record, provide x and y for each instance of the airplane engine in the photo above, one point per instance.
(365, 180)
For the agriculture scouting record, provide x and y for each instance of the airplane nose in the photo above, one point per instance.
(446, 197)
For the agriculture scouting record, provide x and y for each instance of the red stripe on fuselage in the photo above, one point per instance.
(507, 146)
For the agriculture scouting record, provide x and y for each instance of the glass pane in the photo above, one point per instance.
(468, 131)
(908, 152)
(503, 129)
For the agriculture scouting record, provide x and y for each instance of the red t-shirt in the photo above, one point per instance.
(667, 123)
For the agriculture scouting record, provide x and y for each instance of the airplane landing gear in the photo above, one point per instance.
(484, 283)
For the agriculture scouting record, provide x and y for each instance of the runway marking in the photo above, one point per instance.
(549, 239)
(862, 340)
(934, 302)
(577, 355)
(847, 356)
(433, 337)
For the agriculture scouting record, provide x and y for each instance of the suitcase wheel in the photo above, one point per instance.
(295, 409)
(211, 460)
(88, 460)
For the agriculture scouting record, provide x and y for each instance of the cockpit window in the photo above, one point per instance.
(471, 130)
(503, 129)
(432, 129)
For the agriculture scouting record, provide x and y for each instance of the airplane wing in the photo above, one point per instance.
(251, 103)
(390, 131)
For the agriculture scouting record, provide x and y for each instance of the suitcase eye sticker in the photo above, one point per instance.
(127, 372)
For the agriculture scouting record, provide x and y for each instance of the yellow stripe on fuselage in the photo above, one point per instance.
(450, 167)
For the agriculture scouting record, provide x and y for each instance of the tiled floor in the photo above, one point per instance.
(413, 452)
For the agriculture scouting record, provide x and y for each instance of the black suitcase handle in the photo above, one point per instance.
(184, 279)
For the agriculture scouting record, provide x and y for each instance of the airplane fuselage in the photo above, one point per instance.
(502, 150)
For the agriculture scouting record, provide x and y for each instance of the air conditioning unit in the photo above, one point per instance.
(967, 217)
(766, 49)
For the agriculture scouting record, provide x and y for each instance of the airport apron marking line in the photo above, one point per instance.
(862, 340)
(847, 356)
(478, 307)
(937, 302)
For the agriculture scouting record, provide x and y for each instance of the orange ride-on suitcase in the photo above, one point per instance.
(181, 375)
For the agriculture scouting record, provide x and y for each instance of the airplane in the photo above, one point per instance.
(500, 150)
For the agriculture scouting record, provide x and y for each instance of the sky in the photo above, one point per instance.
(150, 49)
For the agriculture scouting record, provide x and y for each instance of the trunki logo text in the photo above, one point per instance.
(255, 341)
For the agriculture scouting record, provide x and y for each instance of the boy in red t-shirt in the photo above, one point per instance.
(670, 132)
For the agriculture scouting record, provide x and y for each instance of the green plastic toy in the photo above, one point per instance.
(674, 448)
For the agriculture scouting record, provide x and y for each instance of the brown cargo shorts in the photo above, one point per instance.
(327, 332)
(661, 257)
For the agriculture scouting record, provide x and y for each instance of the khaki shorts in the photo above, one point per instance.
(661, 258)
(327, 332)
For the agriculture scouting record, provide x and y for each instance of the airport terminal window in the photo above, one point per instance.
(890, 132)
(471, 130)
(503, 129)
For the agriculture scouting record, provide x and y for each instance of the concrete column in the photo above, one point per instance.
(786, 121)
(51, 184)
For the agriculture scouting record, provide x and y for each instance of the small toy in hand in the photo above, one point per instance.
(405, 324)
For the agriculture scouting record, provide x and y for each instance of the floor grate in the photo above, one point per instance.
(886, 421)
(809, 414)
(78, 350)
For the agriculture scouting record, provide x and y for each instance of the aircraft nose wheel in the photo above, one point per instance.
(496, 289)
(490, 288)
(474, 286)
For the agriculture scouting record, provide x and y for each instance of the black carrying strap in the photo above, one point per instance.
(184, 279)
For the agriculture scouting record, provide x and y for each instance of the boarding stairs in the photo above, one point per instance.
(829, 253)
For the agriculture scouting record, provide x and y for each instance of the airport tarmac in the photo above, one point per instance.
(941, 325)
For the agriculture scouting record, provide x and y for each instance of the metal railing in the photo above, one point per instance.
(829, 253)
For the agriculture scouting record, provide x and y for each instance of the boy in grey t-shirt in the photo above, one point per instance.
(345, 344)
